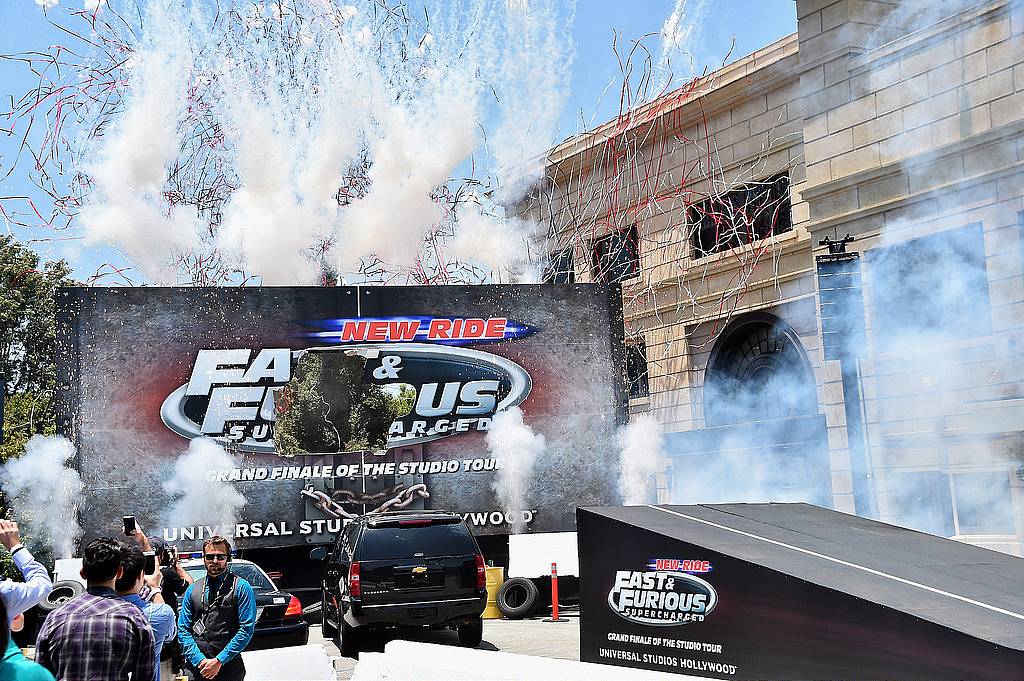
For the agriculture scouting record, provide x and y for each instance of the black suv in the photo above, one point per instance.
(403, 568)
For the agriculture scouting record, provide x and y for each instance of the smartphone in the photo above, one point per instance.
(173, 555)
(129, 524)
(150, 563)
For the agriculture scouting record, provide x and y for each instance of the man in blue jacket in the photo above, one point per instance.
(217, 618)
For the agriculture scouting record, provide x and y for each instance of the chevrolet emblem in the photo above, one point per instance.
(419, 570)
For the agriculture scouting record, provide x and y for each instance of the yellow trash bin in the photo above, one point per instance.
(495, 578)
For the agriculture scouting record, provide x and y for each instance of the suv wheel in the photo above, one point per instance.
(329, 630)
(347, 638)
(471, 634)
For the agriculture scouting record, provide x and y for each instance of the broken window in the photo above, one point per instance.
(948, 504)
(617, 256)
(560, 269)
(930, 289)
(741, 216)
(636, 369)
(984, 504)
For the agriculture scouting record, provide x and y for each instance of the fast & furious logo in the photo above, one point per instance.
(663, 598)
(231, 393)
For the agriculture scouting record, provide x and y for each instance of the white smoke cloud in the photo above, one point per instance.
(298, 94)
(641, 455)
(416, 152)
(516, 448)
(680, 38)
(133, 160)
(44, 489)
(200, 501)
(497, 241)
(531, 88)
(47, 4)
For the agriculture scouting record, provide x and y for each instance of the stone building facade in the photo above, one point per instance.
(880, 374)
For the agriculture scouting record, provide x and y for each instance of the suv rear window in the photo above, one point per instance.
(382, 543)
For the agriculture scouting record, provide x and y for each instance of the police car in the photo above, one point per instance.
(278, 613)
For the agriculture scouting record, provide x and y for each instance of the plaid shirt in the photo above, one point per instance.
(97, 636)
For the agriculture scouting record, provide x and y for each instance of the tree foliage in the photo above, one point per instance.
(328, 408)
(27, 335)
(28, 371)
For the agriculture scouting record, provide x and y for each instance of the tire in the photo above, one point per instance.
(471, 634)
(329, 630)
(517, 597)
(63, 591)
(347, 638)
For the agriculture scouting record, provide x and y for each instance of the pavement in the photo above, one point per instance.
(527, 637)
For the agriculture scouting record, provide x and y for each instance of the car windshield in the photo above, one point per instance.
(247, 571)
(382, 543)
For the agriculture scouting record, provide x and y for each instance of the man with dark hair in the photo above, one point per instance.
(98, 635)
(13, 665)
(161, 617)
(217, 618)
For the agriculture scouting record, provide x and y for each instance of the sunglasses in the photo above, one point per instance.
(216, 556)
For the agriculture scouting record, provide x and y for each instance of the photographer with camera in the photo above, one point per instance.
(175, 578)
(133, 576)
(175, 582)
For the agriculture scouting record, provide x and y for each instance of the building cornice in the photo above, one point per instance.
(923, 38)
(931, 155)
(712, 93)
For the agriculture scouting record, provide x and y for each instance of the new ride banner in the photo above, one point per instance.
(332, 402)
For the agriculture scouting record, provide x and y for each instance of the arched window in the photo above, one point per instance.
(757, 372)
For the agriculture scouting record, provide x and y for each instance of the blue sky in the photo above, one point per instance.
(752, 23)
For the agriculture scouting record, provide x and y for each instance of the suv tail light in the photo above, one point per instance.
(355, 588)
(481, 572)
(294, 608)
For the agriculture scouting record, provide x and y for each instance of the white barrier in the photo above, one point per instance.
(296, 663)
(403, 660)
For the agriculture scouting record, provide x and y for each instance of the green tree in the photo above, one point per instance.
(27, 334)
(27, 338)
(327, 407)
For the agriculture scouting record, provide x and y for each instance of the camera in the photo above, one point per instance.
(169, 556)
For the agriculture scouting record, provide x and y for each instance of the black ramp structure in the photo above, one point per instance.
(793, 591)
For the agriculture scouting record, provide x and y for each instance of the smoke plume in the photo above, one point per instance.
(289, 138)
(641, 454)
(516, 448)
(130, 173)
(200, 501)
(44, 490)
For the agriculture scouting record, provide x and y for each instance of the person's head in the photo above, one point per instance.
(101, 562)
(216, 552)
(133, 562)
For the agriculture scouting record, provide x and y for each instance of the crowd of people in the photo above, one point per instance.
(119, 627)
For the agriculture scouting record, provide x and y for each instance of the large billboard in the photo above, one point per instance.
(332, 402)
